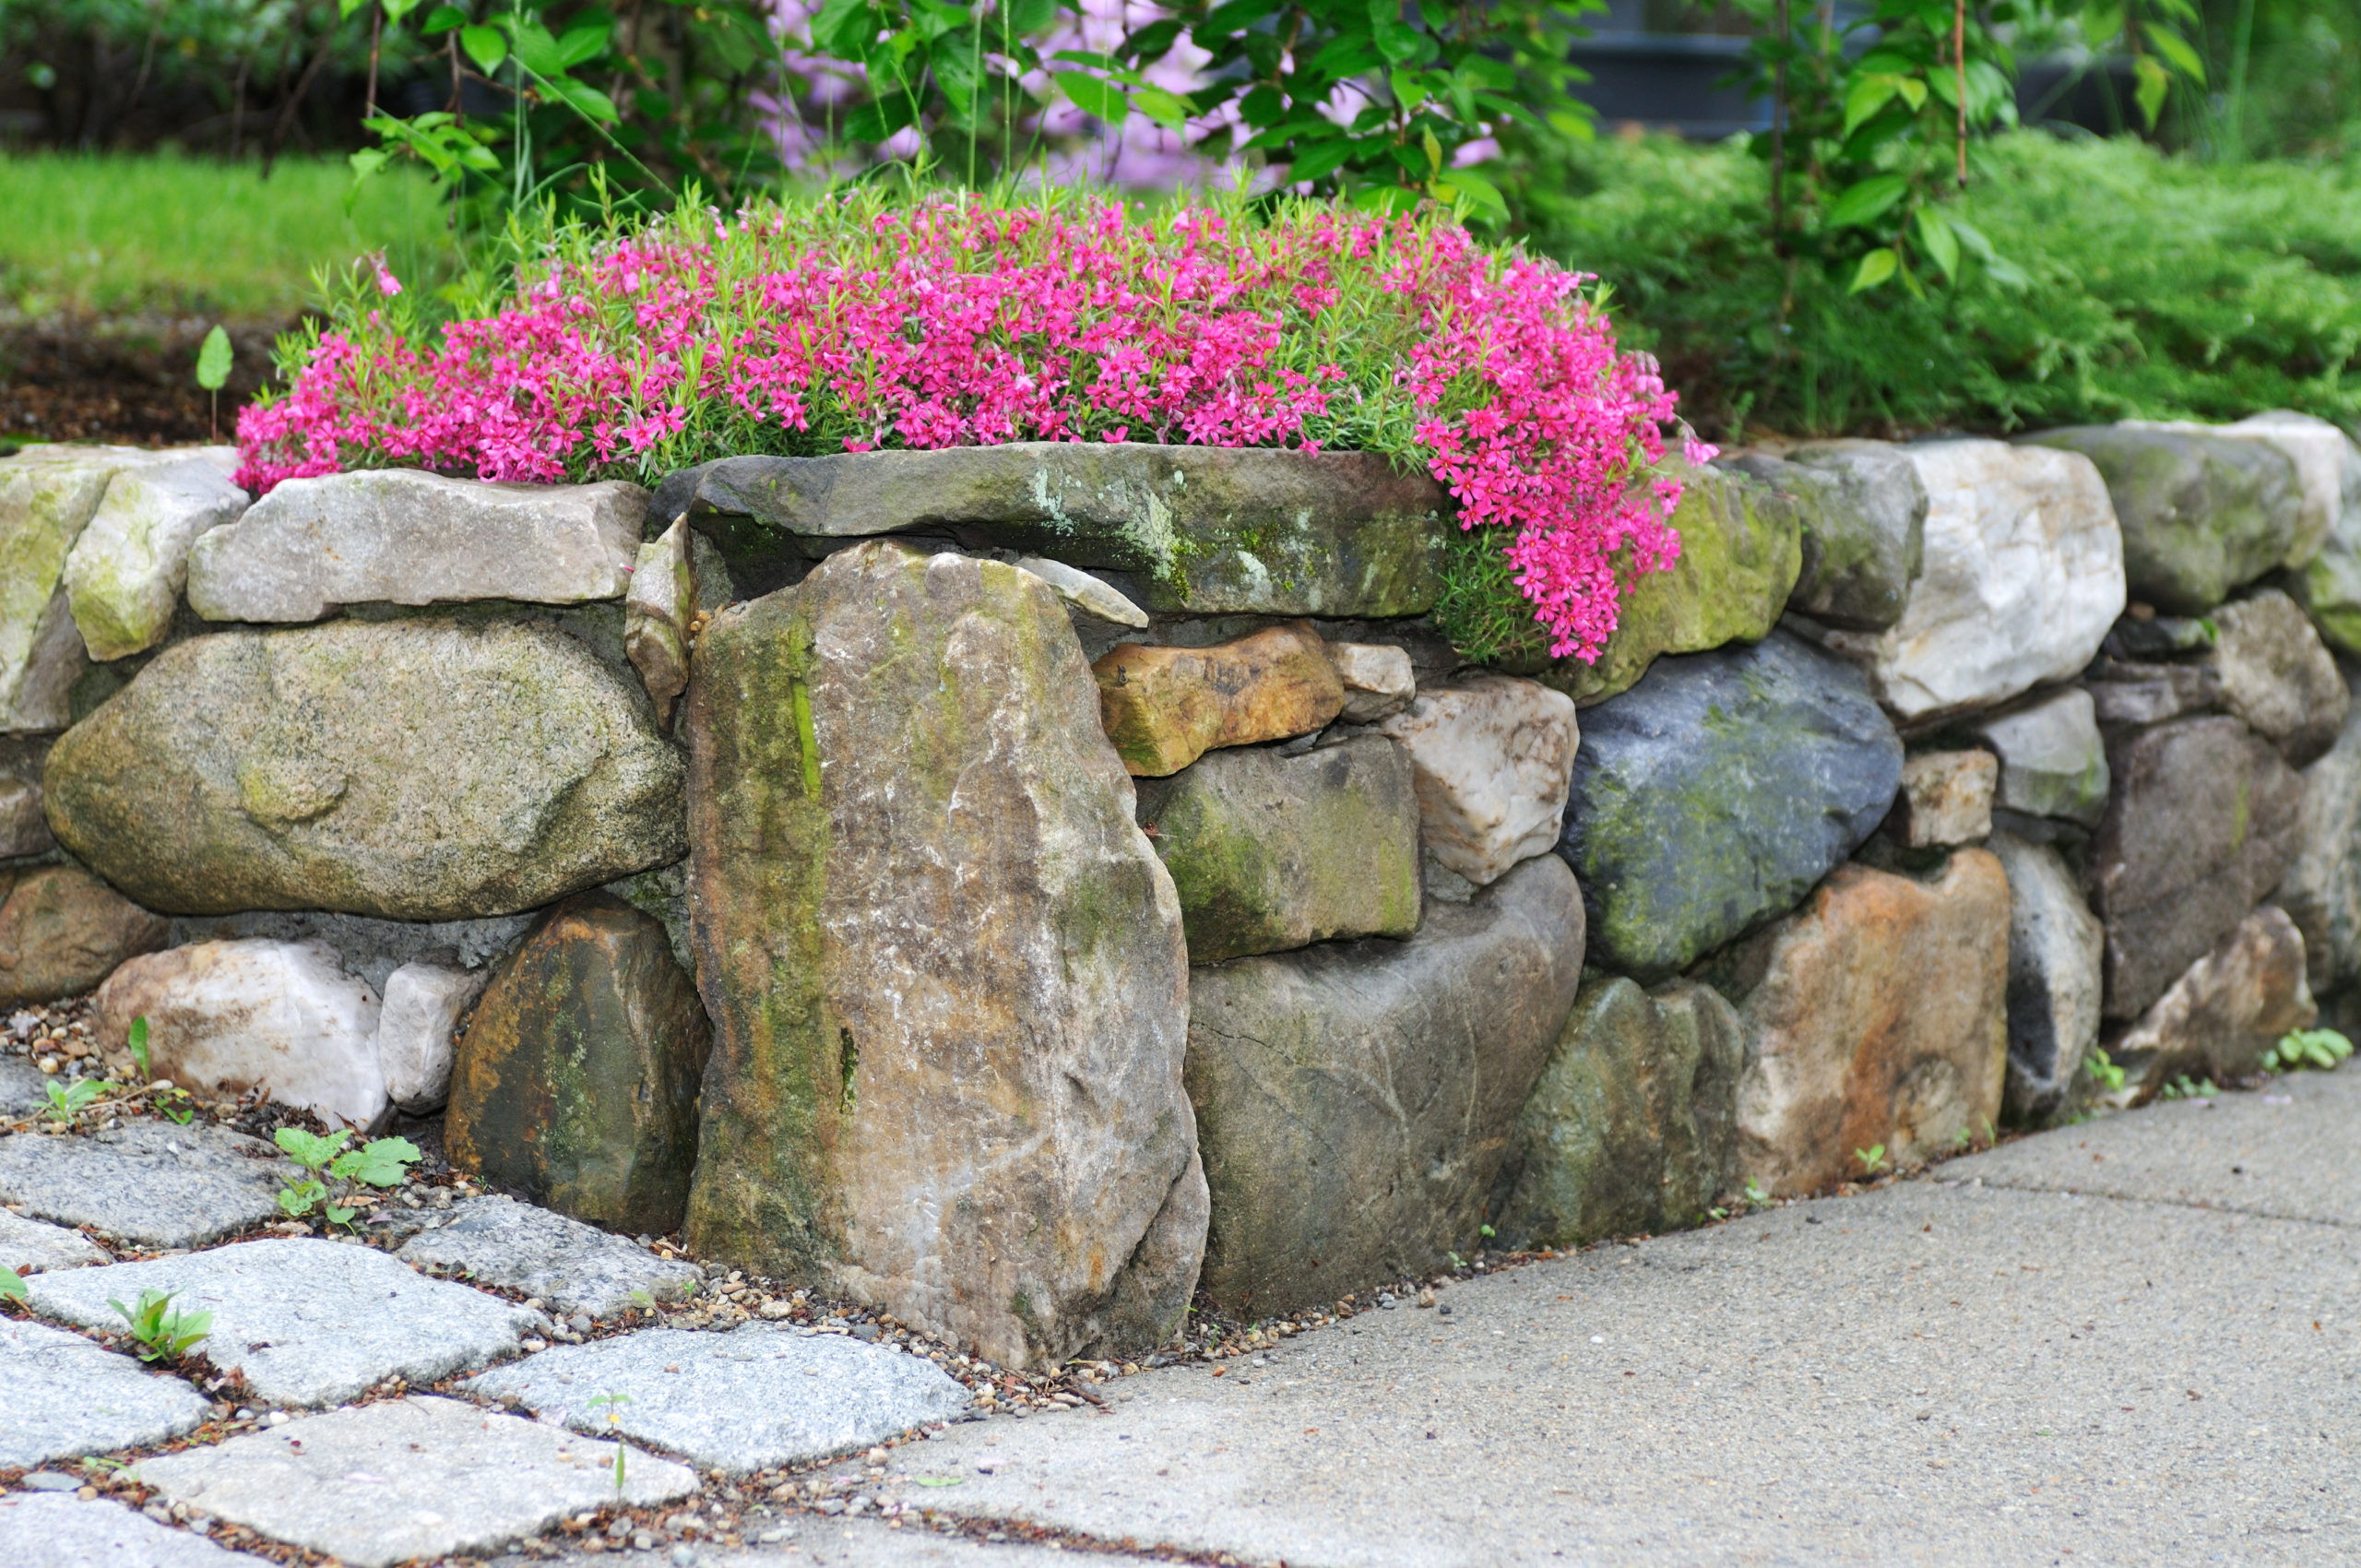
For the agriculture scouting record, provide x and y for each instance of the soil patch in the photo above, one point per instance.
(129, 381)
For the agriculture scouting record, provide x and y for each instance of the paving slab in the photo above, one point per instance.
(867, 1543)
(572, 1266)
(404, 1478)
(306, 1322)
(2275, 1151)
(60, 1531)
(28, 1246)
(757, 1396)
(1924, 1374)
(62, 1396)
(23, 1086)
(147, 1181)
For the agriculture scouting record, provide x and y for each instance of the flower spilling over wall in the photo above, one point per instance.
(852, 323)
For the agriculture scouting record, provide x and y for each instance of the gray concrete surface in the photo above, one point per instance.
(1940, 1371)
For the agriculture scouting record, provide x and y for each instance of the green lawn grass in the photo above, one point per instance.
(116, 234)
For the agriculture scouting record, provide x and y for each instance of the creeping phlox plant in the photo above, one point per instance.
(853, 322)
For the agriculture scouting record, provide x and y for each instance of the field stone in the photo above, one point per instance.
(306, 1322)
(372, 950)
(2053, 760)
(404, 536)
(2278, 676)
(62, 930)
(2321, 891)
(67, 1397)
(2202, 514)
(2201, 826)
(148, 1183)
(2125, 694)
(2224, 1013)
(1163, 707)
(1356, 1099)
(760, 1395)
(1085, 592)
(2022, 577)
(28, 1246)
(1863, 510)
(1946, 799)
(410, 1478)
(2320, 452)
(1716, 792)
(1269, 851)
(572, 1266)
(59, 1529)
(2328, 586)
(1379, 681)
(1633, 1127)
(2056, 951)
(228, 1017)
(124, 575)
(22, 1085)
(1491, 757)
(417, 1031)
(657, 614)
(427, 768)
(47, 495)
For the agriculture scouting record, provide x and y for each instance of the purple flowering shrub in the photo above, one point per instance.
(854, 322)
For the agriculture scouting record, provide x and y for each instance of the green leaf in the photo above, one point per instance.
(485, 46)
(2153, 82)
(1876, 267)
(1940, 244)
(212, 370)
(1166, 109)
(1973, 238)
(846, 29)
(1027, 17)
(1095, 96)
(1866, 97)
(384, 1162)
(2175, 48)
(1866, 201)
(582, 45)
(309, 1149)
(535, 49)
(587, 101)
(12, 1286)
(443, 19)
(1320, 159)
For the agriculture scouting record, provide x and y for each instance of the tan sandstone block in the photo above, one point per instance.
(1163, 707)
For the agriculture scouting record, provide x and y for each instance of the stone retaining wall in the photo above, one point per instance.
(1017, 887)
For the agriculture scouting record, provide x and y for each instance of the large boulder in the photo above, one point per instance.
(2225, 1012)
(1202, 529)
(1716, 792)
(2022, 576)
(2328, 586)
(226, 1017)
(1356, 1099)
(2321, 891)
(2053, 760)
(2056, 950)
(2278, 676)
(1740, 548)
(1492, 756)
(1270, 852)
(62, 930)
(945, 966)
(2200, 828)
(403, 536)
(2202, 514)
(416, 769)
(123, 577)
(1877, 1015)
(1863, 510)
(1163, 707)
(1633, 1127)
(575, 1083)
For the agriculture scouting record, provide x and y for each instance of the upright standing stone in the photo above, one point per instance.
(657, 614)
(2228, 1008)
(1491, 756)
(2322, 892)
(1864, 513)
(1269, 851)
(1716, 792)
(2202, 514)
(1357, 1098)
(124, 575)
(576, 1081)
(403, 536)
(1876, 1016)
(46, 498)
(945, 966)
(2055, 948)
(1378, 680)
(2201, 826)
(2277, 676)
(1633, 1127)
(62, 930)
(2053, 762)
(2023, 575)
(421, 769)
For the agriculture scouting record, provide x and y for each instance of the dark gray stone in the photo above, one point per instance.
(1335, 533)
(147, 1182)
(2201, 514)
(1633, 1127)
(1864, 512)
(1354, 1099)
(2125, 694)
(1270, 852)
(1713, 795)
(2201, 826)
(2056, 951)
(66, 1396)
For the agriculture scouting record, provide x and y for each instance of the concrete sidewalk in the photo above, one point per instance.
(2131, 1341)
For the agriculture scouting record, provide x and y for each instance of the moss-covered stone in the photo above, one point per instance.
(1740, 552)
(1270, 852)
(576, 1081)
(46, 498)
(124, 575)
(1862, 509)
(1204, 529)
(1633, 1127)
(945, 966)
(413, 769)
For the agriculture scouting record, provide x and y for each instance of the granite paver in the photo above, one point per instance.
(60, 1531)
(62, 1396)
(147, 1182)
(572, 1266)
(28, 1246)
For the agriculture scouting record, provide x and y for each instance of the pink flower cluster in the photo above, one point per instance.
(850, 323)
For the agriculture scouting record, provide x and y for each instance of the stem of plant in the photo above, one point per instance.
(377, 35)
(1779, 139)
(1958, 63)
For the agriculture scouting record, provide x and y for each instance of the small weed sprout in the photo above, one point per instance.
(1755, 1196)
(383, 1162)
(2185, 1087)
(1872, 1158)
(615, 1403)
(2323, 1049)
(137, 1042)
(69, 1100)
(2104, 1072)
(162, 1332)
(12, 1286)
